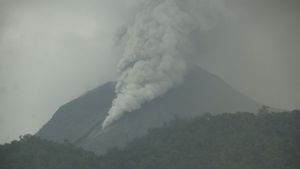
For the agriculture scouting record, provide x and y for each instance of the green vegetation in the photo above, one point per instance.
(33, 153)
(226, 141)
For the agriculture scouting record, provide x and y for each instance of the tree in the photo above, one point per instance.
(264, 110)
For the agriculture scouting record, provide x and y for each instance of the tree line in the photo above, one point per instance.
(263, 140)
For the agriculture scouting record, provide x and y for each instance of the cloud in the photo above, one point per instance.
(53, 51)
(247, 46)
(153, 58)
(50, 53)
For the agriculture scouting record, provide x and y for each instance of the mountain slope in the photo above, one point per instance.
(227, 141)
(80, 120)
(33, 153)
(224, 141)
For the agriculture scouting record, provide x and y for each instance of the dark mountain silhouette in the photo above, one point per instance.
(79, 121)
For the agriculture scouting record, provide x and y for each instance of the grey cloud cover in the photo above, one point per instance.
(50, 53)
(53, 51)
(153, 60)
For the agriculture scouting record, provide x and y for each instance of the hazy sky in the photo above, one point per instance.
(54, 51)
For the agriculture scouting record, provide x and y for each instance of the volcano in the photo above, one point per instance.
(79, 121)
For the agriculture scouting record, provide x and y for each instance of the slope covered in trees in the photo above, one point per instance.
(34, 153)
(227, 141)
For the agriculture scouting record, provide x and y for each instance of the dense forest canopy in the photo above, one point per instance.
(227, 141)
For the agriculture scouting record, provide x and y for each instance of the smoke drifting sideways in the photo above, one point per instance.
(154, 50)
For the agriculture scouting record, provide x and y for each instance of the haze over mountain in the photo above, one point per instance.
(53, 51)
(79, 121)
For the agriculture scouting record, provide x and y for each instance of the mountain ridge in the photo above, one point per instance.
(79, 121)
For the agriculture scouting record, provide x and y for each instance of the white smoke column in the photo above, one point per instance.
(152, 62)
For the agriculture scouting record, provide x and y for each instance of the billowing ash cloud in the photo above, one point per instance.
(153, 58)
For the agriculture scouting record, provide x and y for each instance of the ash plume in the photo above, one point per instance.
(153, 44)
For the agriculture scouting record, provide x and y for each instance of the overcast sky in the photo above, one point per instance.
(54, 51)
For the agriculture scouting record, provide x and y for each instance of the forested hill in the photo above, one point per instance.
(34, 153)
(227, 141)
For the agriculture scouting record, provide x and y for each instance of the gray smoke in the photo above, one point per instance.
(152, 44)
